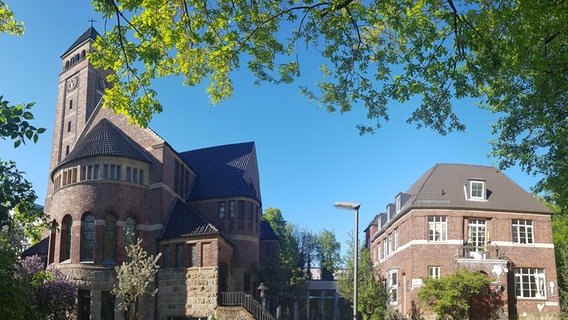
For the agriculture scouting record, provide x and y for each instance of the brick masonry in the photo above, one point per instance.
(416, 254)
(190, 290)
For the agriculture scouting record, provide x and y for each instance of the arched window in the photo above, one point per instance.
(130, 231)
(109, 249)
(88, 238)
(65, 249)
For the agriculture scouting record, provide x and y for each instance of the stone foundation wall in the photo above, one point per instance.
(190, 292)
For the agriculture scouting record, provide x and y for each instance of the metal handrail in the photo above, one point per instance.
(481, 253)
(245, 301)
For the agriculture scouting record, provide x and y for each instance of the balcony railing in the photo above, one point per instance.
(232, 299)
(481, 253)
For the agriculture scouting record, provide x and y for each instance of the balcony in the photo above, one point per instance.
(469, 252)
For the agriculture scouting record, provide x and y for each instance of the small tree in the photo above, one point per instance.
(371, 293)
(461, 295)
(134, 278)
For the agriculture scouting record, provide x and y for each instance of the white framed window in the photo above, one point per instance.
(434, 272)
(523, 231)
(389, 244)
(385, 250)
(530, 283)
(392, 286)
(477, 234)
(437, 228)
(397, 203)
(477, 190)
(378, 251)
(396, 239)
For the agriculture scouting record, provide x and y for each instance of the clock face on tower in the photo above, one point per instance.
(72, 83)
(102, 83)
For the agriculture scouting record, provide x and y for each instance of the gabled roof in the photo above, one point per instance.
(184, 221)
(266, 232)
(223, 171)
(105, 139)
(91, 34)
(445, 185)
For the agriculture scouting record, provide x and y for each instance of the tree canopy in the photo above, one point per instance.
(509, 55)
(284, 274)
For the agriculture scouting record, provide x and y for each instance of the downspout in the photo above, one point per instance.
(404, 288)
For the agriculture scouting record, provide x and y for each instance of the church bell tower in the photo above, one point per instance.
(80, 89)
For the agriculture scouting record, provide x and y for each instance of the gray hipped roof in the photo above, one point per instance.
(444, 186)
(184, 221)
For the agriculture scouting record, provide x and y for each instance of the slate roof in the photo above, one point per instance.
(223, 171)
(184, 220)
(39, 248)
(444, 186)
(267, 233)
(91, 33)
(105, 139)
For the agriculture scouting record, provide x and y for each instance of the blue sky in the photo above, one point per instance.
(308, 158)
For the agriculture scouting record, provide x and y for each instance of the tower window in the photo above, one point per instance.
(109, 249)
(130, 231)
(66, 150)
(65, 251)
(70, 104)
(221, 210)
(69, 126)
(88, 238)
(232, 209)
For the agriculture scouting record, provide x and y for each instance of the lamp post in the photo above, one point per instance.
(263, 289)
(355, 207)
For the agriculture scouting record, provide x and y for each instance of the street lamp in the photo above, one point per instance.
(263, 289)
(355, 207)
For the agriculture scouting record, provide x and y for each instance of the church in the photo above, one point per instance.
(111, 182)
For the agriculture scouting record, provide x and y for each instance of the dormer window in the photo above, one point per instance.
(477, 190)
(397, 202)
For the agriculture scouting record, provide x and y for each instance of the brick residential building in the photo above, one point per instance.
(111, 182)
(474, 217)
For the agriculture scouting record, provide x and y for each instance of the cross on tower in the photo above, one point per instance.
(92, 21)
